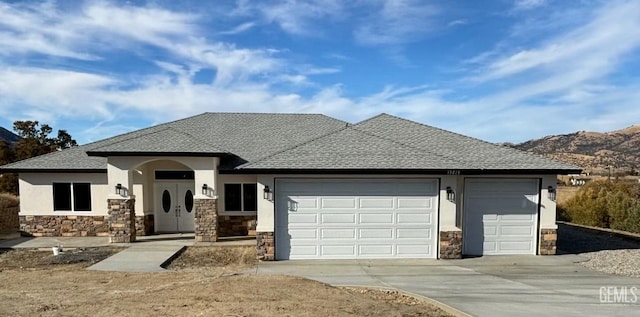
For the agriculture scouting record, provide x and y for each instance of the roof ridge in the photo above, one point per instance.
(369, 119)
(293, 147)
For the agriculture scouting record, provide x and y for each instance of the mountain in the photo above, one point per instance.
(8, 136)
(593, 151)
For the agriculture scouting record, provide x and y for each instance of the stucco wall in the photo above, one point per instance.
(36, 193)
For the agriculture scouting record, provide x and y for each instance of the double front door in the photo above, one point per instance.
(174, 210)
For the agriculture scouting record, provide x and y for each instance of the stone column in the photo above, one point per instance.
(265, 246)
(451, 244)
(206, 220)
(122, 220)
(548, 238)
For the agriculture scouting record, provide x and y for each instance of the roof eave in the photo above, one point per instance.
(374, 171)
(160, 154)
(52, 170)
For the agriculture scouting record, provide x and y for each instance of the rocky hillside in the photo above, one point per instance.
(592, 151)
(8, 136)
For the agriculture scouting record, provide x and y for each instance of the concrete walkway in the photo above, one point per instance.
(489, 286)
(139, 258)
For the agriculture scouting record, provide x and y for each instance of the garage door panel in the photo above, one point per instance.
(356, 219)
(416, 250)
(414, 218)
(338, 203)
(310, 233)
(414, 203)
(376, 203)
(338, 250)
(303, 219)
(375, 233)
(515, 230)
(514, 246)
(385, 250)
(500, 216)
(379, 218)
(413, 233)
(305, 251)
(518, 216)
(337, 233)
(338, 218)
(305, 203)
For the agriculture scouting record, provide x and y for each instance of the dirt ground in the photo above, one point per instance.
(203, 281)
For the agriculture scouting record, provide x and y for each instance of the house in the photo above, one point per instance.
(307, 185)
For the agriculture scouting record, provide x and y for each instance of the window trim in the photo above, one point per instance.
(242, 198)
(72, 197)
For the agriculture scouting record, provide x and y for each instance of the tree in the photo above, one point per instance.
(34, 141)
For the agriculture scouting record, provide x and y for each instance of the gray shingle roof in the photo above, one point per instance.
(247, 135)
(303, 142)
(470, 152)
(168, 140)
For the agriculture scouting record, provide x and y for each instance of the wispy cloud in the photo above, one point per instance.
(244, 27)
(528, 4)
(396, 22)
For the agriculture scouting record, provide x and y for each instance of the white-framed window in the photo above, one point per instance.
(72, 196)
(241, 197)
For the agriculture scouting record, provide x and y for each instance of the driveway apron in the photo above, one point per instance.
(487, 286)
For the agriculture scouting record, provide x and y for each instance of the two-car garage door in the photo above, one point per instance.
(351, 219)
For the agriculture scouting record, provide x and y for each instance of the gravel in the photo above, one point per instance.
(606, 252)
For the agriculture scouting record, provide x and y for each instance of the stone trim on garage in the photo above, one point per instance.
(548, 239)
(451, 244)
(265, 245)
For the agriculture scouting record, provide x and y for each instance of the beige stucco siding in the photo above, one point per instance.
(36, 192)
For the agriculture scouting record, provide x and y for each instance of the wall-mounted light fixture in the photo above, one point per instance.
(119, 189)
(267, 193)
(451, 195)
(551, 193)
(205, 189)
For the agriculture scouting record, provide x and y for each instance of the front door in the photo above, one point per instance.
(174, 207)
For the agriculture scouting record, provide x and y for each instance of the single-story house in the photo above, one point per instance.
(308, 186)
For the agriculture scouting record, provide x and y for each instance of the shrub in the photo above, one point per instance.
(8, 201)
(605, 204)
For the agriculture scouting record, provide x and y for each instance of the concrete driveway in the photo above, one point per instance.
(488, 286)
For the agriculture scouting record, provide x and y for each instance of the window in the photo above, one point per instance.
(240, 197)
(72, 196)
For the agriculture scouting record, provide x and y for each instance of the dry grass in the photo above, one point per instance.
(70, 290)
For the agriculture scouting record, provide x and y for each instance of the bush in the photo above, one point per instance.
(8, 201)
(605, 204)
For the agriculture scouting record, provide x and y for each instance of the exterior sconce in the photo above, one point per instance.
(451, 195)
(119, 189)
(551, 193)
(268, 193)
(205, 189)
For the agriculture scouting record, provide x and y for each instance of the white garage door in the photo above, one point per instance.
(500, 216)
(351, 219)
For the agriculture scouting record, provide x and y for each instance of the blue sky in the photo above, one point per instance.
(496, 70)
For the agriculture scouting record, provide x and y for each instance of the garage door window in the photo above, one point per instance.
(71, 197)
(241, 197)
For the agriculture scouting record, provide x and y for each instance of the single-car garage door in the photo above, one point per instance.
(351, 219)
(500, 216)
